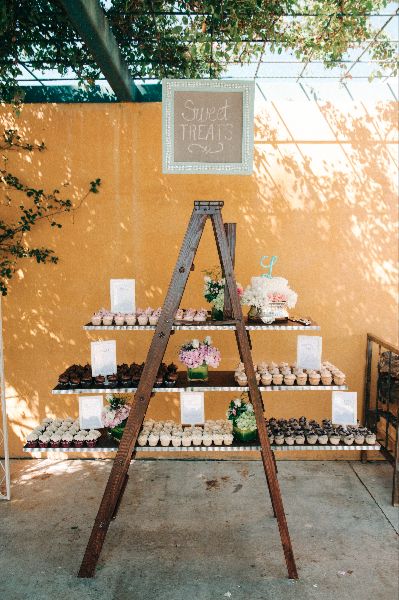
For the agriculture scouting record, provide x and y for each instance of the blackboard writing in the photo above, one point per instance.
(208, 127)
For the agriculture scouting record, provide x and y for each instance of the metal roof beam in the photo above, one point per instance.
(89, 20)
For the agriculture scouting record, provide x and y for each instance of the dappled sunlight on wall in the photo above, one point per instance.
(322, 197)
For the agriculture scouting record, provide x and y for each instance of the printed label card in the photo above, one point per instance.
(309, 352)
(103, 358)
(192, 410)
(123, 295)
(344, 408)
(90, 411)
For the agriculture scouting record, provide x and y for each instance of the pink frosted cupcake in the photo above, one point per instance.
(142, 319)
(108, 318)
(119, 319)
(130, 319)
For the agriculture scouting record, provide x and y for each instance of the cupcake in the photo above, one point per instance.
(277, 379)
(119, 319)
(189, 314)
(266, 378)
(349, 439)
(108, 317)
(153, 438)
(359, 438)
(92, 437)
(79, 439)
(143, 438)
(187, 438)
(371, 438)
(335, 438)
(242, 379)
(165, 438)
(179, 314)
(299, 438)
(96, 319)
(314, 378)
(217, 438)
(301, 378)
(228, 439)
(154, 318)
(279, 438)
(66, 440)
(311, 438)
(200, 316)
(289, 379)
(176, 440)
(130, 319)
(289, 439)
(326, 379)
(142, 319)
(339, 378)
(197, 437)
(31, 440)
(323, 438)
(207, 438)
(44, 440)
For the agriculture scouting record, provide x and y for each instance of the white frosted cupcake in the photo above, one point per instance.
(266, 378)
(371, 438)
(142, 439)
(228, 439)
(153, 439)
(187, 438)
(242, 379)
(218, 438)
(108, 318)
(165, 438)
(197, 438)
(176, 440)
(207, 439)
(96, 320)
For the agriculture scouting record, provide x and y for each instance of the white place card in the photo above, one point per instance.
(103, 358)
(309, 352)
(90, 411)
(123, 295)
(192, 409)
(344, 408)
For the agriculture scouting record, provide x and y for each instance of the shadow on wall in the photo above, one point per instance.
(322, 197)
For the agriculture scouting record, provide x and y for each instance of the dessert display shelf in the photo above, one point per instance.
(219, 381)
(212, 325)
(109, 445)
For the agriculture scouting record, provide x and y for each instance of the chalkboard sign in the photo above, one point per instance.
(207, 126)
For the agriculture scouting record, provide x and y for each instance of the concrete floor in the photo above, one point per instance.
(200, 531)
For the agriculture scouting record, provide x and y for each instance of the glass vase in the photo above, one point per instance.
(244, 435)
(198, 373)
(216, 314)
(117, 432)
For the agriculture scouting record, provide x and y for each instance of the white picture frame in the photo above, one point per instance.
(309, 348)
(344, 408)
(90, 412)
(192, 410)
(221, 115)
(103, 358)
(123, 295)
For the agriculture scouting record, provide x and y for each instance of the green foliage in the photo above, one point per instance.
(198, 41)
(37, 206)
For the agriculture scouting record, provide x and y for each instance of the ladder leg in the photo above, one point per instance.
(117, 478)
(254, 394)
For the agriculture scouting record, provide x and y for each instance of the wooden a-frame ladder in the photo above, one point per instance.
(118, 477)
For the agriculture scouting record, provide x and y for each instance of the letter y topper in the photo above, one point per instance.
(269, 267)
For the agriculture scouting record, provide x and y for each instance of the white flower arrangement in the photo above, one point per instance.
(265, 290)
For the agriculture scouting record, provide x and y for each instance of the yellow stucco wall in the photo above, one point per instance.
(322, 197)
